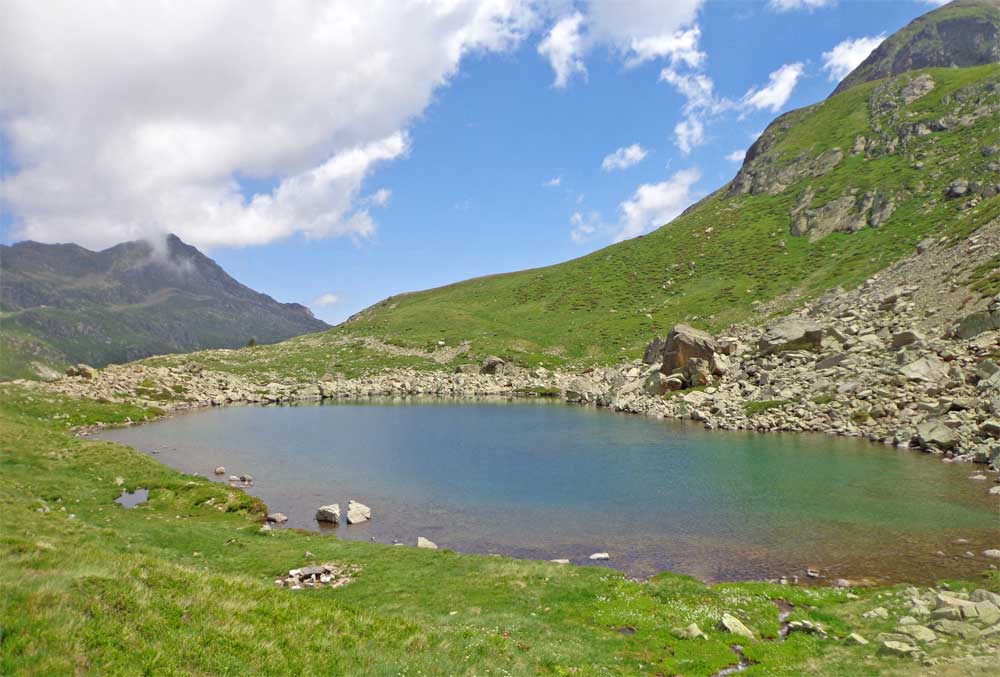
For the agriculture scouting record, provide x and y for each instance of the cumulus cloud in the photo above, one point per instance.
(654, 204)
(737, 155)
(227, 123)
(554, 182)
(638, 31)
(793, 5)
(564, 47)
(777, 91)
(324, 300)
(623, 158)
(847, 55)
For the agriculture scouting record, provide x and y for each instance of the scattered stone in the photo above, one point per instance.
(894, 648)
(791, 334)
(690, 632)
(992, 553)
(959, 629)
(331, 575)
(878, 612)
(918, 632)
(856, 639)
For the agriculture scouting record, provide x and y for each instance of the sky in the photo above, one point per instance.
(336, 152)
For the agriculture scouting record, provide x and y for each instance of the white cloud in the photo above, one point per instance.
(324, 300)
(637, 30)
(792, 5)
(554, 182)
(737, 155)
(564, 47)
(847, 55)
(623, 158)
(148, 120)
(689, 133)
(654, 204)
(777, 91)
(585, 226)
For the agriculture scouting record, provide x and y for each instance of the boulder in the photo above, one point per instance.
(928, 369)
(220, 470)
(655, 384)
(934, 433)
(684, 343)
(329, 513)
(894, 648)
(720, 364)
(917, 632)
(277, 518)
(733, 625)
(990, 428)
(957, 188)
(493, 365)
(956, 629)
(358, 512)
(697, 372)
(791, 334)
(82, 370)
(977, 323)
(904, 338)
(654, 351)
(426, 543)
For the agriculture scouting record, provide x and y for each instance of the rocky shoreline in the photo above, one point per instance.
(904, 360)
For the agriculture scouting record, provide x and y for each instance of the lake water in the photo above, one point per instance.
(546, 480)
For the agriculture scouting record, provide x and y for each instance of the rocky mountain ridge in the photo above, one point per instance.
(130, 301)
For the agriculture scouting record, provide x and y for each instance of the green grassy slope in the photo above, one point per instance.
(183, 584)
(607, 305)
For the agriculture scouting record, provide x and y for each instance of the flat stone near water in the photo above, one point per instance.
(426, 543)
(329, 514)
(600, 556)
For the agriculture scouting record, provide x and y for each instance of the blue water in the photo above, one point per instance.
(549, 480)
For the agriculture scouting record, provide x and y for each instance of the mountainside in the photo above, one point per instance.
(62, 303)
(962, 33)
(828, 195)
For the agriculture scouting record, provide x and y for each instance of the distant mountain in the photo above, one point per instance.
(63, 304)
(960, 34)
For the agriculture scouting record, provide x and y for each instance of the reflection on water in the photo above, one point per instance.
(130, 499)
(555, 481)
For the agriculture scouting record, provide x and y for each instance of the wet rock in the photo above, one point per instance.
(329, 514)
(358, 512)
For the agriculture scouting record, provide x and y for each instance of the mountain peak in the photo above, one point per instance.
(960, 34)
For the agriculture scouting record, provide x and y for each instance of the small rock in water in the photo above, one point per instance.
(812, 573)
(329, 513)
(220, 470)
(426, 543)
(234, 478)
(358, 512)
(600, 556)
(277, 518)
(559, 561)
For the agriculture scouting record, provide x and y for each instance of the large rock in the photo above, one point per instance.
(977, 323)
(934, 433)
(928, 369)
(791, 334)
(493, 365)
(732, 624)
(358, 512)
(329, 514)
(654, 351)
(697, 372)
(684, 343)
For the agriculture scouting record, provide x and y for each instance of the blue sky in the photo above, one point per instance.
(497, 169)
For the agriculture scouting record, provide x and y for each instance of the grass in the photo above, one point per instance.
(754, 408)
(182, 584)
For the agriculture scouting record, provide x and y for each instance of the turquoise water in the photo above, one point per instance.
(552, 481)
